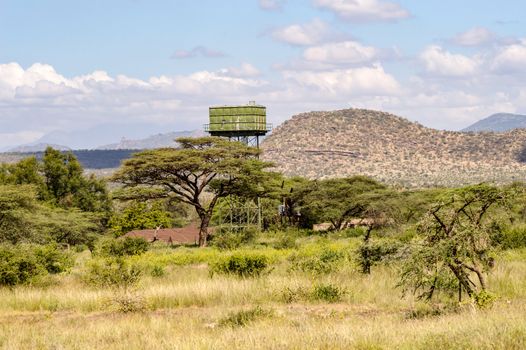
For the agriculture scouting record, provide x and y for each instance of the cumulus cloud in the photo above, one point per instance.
(38, 100)
(511, 59)
(373, 81)
(364, 10)
(271, 5)
(198, 51)
(246, 70)
(444, 63)
(474, 37)
(350, 52)
(306, 34)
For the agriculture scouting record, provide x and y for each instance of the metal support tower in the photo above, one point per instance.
(245, 124)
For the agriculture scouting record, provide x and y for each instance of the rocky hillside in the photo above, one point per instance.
(393, 150)
(499, 123)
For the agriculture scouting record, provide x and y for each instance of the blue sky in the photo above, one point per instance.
(139, 67)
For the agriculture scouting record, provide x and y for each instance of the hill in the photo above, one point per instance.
(154, 141)
(393, 150)
(500, 122)
(39, 147)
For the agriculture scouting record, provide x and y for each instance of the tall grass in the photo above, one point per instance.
(185, 308)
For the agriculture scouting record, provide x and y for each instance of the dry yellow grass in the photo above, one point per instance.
(184, 309)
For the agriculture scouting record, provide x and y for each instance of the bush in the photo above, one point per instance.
(241, 264)
(285, 242)
(113, 273)
(327, 292)
(228, 240)
(514, 237)
(53, 259)
(126, 246)
(373, 252)
(157, 271)
(324, 262)
(129, 302)
(484, 299)
(242, 318)
(292, 295)
(23, 264)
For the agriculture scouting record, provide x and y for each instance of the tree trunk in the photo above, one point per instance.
(203, 229)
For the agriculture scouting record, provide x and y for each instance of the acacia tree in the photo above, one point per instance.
(200, 165)
(455, 247)
(380, 209)
(336, 200)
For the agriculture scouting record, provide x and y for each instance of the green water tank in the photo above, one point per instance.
(231, 121)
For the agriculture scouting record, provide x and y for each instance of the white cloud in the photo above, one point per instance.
(441, 62)
(364, 10)
(37, 100)
(511, 59)
(350, 52)
(372, 81)
(271, 5)
(303, 34)
(246, 70)
(474, 37)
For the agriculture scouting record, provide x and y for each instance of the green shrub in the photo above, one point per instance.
(292, 295)
(327, 292)
(24, 264)
(126, 246)
(228, 240)
(324, 262)
(354, 232)
(484, 299)
(157, 271)
(285, 241)
(513, 237)
(113, 273)
(244, 317)
(373, 252)
(53, 259)
(241, 264)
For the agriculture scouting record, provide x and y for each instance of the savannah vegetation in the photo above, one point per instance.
(393, 268)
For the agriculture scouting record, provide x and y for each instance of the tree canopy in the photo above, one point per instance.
(455, 248)
(336, 200)
(198, 173)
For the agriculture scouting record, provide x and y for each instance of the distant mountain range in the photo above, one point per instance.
(39, 147)
(150, 142)
(500, 122)
(154, 141)
(393, 149)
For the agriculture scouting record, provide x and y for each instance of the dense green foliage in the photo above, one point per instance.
(140, 216)
(112, 273)
(51, 201)
(23, 264)
(126, 246)
(207, 164)
(455, 248)
(242, 265)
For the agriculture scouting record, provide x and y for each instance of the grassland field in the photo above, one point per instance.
(178, 305)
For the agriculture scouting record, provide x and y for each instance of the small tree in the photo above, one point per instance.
(455, 247)
(380, 209)
(140, 216)
(208, 164)
(336, 200)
